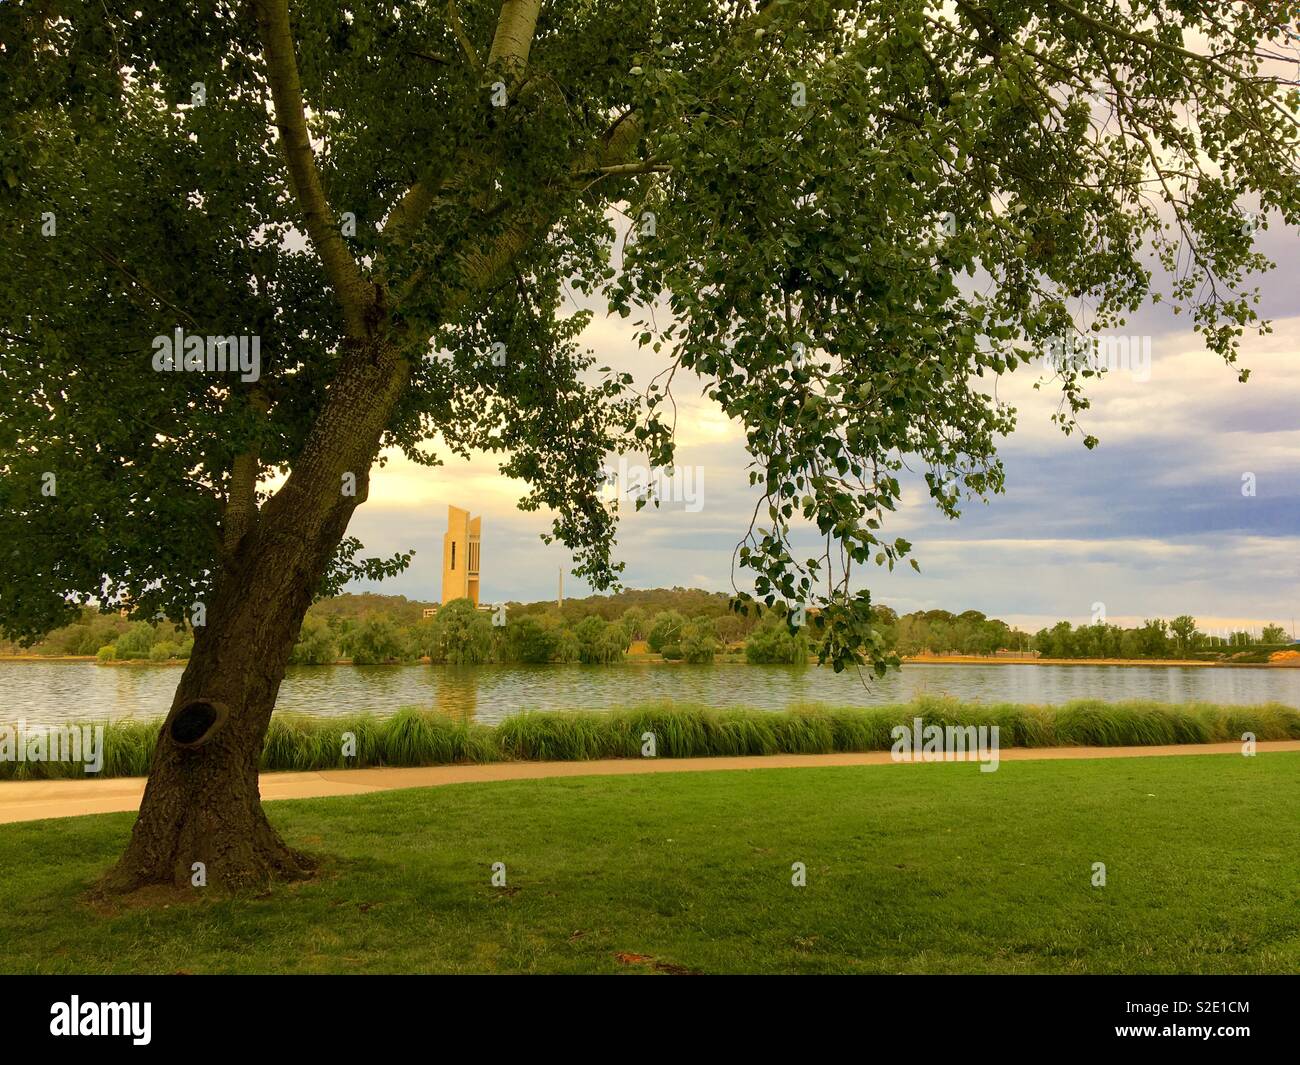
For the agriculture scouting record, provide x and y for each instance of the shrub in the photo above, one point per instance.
(772, 642)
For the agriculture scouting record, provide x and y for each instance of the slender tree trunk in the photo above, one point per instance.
(202, 803)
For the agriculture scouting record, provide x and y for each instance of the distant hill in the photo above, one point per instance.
(688, 601)
(353, 605)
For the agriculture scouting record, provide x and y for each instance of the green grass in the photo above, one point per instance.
(920, 868)
(415, 737)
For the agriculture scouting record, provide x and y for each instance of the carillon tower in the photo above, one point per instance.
(460, 556)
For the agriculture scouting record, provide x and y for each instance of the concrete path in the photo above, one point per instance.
(36, 799)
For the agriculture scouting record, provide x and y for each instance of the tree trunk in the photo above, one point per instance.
(202, 803)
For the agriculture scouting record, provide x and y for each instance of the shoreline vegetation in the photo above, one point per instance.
(651, 626)
(413, 737)
(738, 659)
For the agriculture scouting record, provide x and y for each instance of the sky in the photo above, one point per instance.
(1189, 505)
(1158, 520)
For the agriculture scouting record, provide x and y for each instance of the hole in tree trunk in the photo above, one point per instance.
(196, 722)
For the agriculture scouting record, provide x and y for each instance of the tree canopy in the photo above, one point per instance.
(847, 217)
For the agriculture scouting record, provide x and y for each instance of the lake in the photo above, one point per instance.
(45, 692)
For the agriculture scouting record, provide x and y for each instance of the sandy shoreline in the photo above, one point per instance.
(926, 660)
(975, 660)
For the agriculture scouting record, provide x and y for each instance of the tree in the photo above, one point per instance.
(462, 634)
(376, 640)
(88, 636)
(1153, 638)
(730, 628)
(634, 621)
(665, 631)
(564, 644)
(810, 186)
(1131, 644)
(528, 640)
(135, 642)
(600, 642)
(772, 643)
(1183, 631)
(699, 641)
(1065, 642)
(1274, 634)
(315, 645)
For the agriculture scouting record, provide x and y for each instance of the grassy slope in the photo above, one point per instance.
(925, 868)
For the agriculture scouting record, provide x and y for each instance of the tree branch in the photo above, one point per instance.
(508, 59)
(513, 39)
(1153, 44)
(484, 265)
(141, 283)
(355, 294)
(453, 17)
(241, 496)
(648, 166)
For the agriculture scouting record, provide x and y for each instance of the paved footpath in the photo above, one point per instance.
(35, 799)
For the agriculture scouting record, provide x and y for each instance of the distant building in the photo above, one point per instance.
(460, 556)
(429, 612)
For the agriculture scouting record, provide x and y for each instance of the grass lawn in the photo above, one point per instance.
(914, 868)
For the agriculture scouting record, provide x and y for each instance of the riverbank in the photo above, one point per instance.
(38, 800)
(980, 660)
(738, 659)
(413, 738)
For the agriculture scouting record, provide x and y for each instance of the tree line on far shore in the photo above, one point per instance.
(460, 634)
(678, 624)
(939, 632)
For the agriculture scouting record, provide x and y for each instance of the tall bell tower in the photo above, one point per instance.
(460, 556)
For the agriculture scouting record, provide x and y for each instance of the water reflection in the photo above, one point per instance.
(456, 692)
(53, 691)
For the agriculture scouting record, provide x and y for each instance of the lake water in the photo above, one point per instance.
(70, 691)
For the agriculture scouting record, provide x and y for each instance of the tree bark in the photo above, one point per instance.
(202, 803)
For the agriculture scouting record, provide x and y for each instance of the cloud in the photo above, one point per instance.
(1154, 522)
